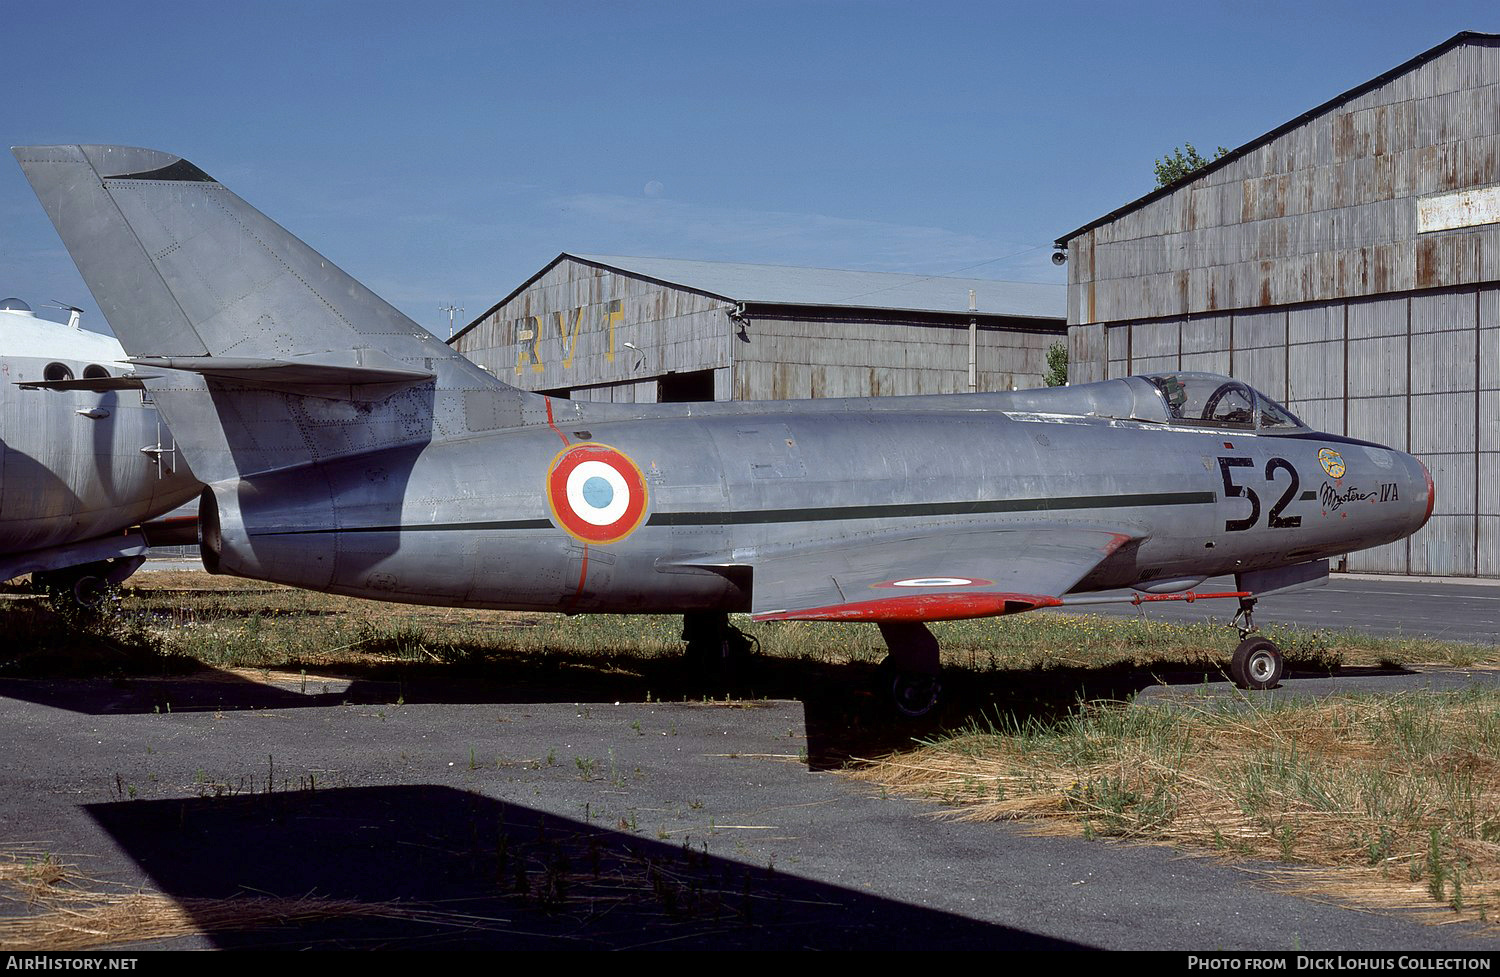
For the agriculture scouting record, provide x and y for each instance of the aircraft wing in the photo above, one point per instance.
(929, 576)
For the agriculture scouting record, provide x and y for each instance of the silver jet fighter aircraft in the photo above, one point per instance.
(84, 458)
(346, 449)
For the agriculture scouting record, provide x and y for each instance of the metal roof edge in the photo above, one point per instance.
(619, 269)
(1462, 37)
(752, 305)
(583, 261)
(513, 293)
(594, 262)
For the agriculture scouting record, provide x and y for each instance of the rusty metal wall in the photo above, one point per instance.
(1347, 266)
(1328, 210)
(567, 331)
(1419, 371)
(792, 359)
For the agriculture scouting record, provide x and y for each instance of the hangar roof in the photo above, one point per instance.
(782, 285)
(830, 288)
(1463, 37)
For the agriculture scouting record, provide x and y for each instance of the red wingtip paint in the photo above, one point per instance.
(920, 607)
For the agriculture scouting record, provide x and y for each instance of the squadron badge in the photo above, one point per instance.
(1332, 462)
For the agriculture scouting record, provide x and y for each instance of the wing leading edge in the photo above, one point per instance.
(937, 576)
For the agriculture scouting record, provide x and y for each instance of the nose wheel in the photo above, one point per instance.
(1257, 663)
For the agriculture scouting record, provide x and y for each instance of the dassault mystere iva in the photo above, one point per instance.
(346, 449)
(84, 458)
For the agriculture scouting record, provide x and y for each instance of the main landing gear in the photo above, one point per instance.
(86, 584)
(909, 674)
(1257, 662)
(712, 642)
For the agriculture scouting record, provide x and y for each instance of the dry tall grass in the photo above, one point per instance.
(1391, 801)
(66, 912)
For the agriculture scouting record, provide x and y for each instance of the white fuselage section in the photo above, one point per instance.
(71, 461)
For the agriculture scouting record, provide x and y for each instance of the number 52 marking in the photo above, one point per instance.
(1232, 491)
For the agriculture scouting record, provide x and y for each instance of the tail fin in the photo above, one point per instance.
(262, 342)
(182, 268)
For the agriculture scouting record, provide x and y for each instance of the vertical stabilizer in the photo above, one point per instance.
(271, 356)
(183, 267)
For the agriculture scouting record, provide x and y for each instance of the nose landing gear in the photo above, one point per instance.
(1257, 663)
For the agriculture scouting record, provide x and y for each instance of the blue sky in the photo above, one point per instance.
(442, 152)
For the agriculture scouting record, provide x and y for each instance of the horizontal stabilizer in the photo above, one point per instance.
(130, 381)
(305, 374)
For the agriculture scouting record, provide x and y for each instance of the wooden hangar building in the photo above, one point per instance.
(647, 330)
(1348, 264)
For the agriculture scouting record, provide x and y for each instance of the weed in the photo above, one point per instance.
(1437, 872)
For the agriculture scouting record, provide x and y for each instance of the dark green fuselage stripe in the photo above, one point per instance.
(431, 527)
(823, 514)
(912, 510)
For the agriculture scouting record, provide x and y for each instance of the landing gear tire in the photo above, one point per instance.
(911, 694)
(84, 585)
(89, 590)
(713, 644)
(1257, 664)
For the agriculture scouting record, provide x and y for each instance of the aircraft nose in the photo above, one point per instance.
(1431, 493)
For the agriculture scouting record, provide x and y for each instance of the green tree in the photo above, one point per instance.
(1181, 162)
(1057, 365)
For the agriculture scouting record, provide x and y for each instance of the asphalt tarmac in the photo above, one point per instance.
(1454, 609)
(462, 816)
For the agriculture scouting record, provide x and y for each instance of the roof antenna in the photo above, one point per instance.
(75, 314)
(451, 310)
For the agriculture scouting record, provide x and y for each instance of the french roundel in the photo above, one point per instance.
(932, 582)
(596, 493)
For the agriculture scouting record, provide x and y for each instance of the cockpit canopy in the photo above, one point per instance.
(1212, 401)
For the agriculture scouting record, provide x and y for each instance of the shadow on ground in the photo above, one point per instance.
(845, 713)
(434, 867)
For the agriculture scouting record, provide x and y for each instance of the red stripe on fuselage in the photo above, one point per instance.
(553, 426)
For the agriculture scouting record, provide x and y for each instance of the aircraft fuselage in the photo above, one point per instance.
(700, 494)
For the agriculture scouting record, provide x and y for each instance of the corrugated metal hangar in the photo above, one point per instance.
(639, 330)
(1348, 263)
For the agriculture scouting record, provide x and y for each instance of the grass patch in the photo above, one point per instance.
(1392, 801)
(229, 622)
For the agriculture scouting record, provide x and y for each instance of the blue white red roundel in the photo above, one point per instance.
(930, 582)
(596, 493)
